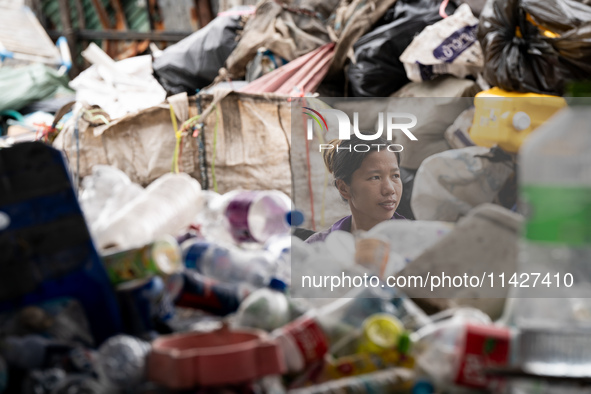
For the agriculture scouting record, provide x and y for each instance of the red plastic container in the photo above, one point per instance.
(222, 357)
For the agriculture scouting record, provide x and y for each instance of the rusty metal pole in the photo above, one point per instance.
(81, 26)
(70, 34)
(204, 14)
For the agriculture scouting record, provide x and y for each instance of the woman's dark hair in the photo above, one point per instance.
(346, 161)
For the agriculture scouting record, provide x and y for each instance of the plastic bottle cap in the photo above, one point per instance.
(521, 121)
(278, 284)
(404, 343)
(294, 218)
(382, 331)
(423, 387)
(194, 251)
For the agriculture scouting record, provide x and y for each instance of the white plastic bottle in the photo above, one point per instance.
(555, 196)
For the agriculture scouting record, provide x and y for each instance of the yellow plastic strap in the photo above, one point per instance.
(178, 134)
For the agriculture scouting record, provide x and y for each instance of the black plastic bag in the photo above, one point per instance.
(378, 72)
(535, 46)
(194, 62)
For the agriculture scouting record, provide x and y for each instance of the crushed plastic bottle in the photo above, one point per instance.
(122, 361)
(266, 308)
(233, 265)
(454, 352)
(104, 192)
(43, 381)
(167, 207)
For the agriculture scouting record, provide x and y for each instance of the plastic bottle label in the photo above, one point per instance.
(237, 214)
(485, 346)
(309, 337)
(558, 214)
(128, 265)
(203, 293)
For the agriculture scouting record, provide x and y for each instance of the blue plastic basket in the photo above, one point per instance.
(46, 250)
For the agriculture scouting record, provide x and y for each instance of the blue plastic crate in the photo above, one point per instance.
(46, 250)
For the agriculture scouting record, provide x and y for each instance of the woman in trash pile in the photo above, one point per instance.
(368, 181)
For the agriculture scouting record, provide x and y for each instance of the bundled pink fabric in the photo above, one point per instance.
(300, 76)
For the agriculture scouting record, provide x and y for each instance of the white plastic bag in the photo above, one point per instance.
(451, 183)
(449, 46)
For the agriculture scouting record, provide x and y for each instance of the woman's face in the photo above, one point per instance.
(375, 190)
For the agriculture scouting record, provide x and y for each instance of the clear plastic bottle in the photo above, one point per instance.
(233, 265)
(259, 215)
(390, 380)
(193, 250)
(99, 188)
(167, 207)
(105, 192)
(408, 239)
(307, 339)
(555, 196)
(250, 216)
(285, 249)
(455, 349)
(211, 221)
(266, 308)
